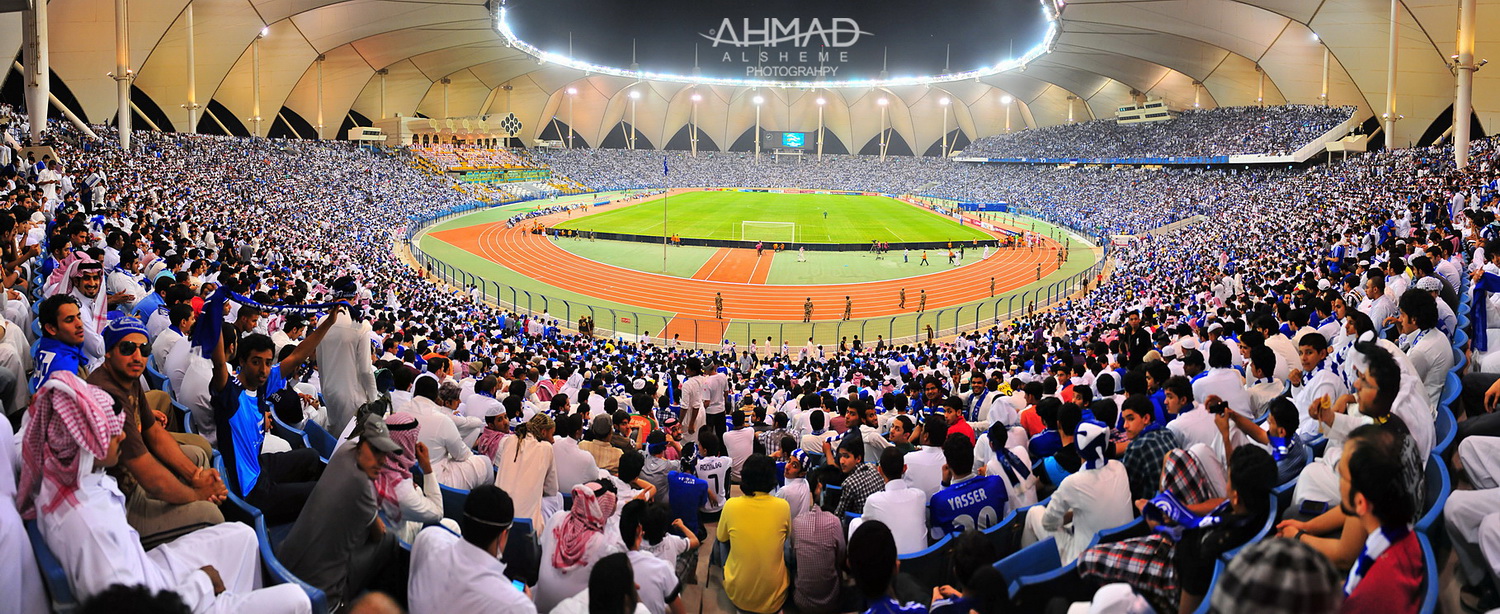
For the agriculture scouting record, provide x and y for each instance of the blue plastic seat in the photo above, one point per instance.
(1447, 429)
(1451, 388)
(293, 435)
(54, 577)
(156, 380)
(1430, 582)
(453, 502)
(929, 567)
(1460, 338)
(1030, 561)
(276, 573)
(1436, 486)
(185, 415)
(319, 439)
(1265, 529)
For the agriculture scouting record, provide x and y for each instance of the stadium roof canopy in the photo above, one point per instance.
(447, 58)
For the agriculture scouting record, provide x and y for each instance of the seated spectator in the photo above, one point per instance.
(902, 508)
(861, 479)
(573, 542)
(971, 565)
(1285, 445)
(657, 466)
(61, 345)
(74, 435)
(574, 465)
(596, 443)
(280, 483)
(612, 589)
(331, 546)
(796, 490)
(1049, 441)
(1012, 465)
(872, 562)
(1065, 461)
(1095, 498)
(656, 580)
(1264, 387)
(465, 574)
(405, 504)
(739, 442)
(1390, 572)
(953, 410)
(669, 539)
(170, 488)
(970, 501)
(528, 470)
(712, 467)
(1146, 445)
(496, 429)
(620, 436)
(454, 462)
(818, 547)
(755, 526)
(469, 427)
(924, 466)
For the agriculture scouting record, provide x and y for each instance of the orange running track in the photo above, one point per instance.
(537, 257)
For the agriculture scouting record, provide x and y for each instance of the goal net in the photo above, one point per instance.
(782, 232)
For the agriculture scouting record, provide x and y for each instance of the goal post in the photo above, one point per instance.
(783, 232)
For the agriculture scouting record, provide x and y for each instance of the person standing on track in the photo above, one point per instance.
(719, 305)
(848, 307)
(901, 301)
(807, 310)
(1038, 271)
(924, 259)
(922, 301)
(992, 287)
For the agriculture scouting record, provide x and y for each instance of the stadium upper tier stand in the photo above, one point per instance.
(455, 157)
(1222, 131)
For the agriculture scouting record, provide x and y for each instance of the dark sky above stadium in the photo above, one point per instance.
(804, 40)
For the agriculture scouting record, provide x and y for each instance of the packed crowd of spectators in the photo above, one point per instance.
(1311, 309)
(1224, 131)
(448, 156)
(1096, 201)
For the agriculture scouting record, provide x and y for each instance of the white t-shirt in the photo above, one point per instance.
(668, 549)
(715, 471)
(657, 580)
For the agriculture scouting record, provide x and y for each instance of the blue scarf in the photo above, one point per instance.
(206, 332)
(1490, 282)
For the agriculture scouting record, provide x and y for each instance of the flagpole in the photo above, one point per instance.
(664, 194)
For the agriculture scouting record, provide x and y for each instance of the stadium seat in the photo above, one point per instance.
(36, 328)
(453, 502)
(1437, 486)
(1318, 444)
(1032, 560)
(1203, 608)
(1452, 386)
(1447, 429)
(1431, 580)
(929, 567)
(319, 439)
(54, 577)
(1460, 338)
(276, 573)
(239, 509)
(186, 416)
(294, 436)
(523, 552)
(1265, 530)
(1005, 535)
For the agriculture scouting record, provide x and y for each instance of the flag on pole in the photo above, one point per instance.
(664, 166)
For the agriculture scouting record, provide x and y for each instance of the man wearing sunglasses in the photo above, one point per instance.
(169, 487)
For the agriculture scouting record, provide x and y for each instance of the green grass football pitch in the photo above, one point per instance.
(819, 218)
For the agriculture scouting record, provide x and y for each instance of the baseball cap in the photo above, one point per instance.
(375, 433)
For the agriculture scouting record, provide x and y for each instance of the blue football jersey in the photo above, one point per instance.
(685, 492)
(976, 503)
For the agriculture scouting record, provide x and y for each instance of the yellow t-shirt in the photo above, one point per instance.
(755, 576)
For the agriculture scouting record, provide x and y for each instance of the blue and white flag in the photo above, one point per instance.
(664, 166)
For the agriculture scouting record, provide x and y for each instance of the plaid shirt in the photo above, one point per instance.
(858, 486)
(772, 439)
(1143, 461)
(1145, 563)
(1184, 477)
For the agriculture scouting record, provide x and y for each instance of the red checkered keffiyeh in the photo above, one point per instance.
(396, 468)
(68, 416)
